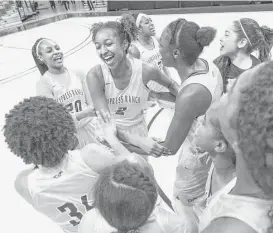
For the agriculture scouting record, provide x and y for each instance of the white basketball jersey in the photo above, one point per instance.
(72, 96)
(252, 211)
(126, 106)
(153, 57)
(65, 193)
(160, 221)
(193, 166)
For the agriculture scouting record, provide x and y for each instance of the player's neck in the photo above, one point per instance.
(185, 70)
(145, 40)
(123, 70)
(242, 60)
(245, 185)
(60, 70)
(223, 164)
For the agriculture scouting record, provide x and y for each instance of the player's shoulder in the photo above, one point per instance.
(134, 50)
(95, 71)
(95, 74)
(234, 226)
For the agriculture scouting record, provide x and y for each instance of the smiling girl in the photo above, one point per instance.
(119, 84)
(241, 38)
(67, 87)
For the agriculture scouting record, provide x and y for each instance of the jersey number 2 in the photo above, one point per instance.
(121, 111)
(73, 212)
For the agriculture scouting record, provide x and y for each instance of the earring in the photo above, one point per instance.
(40, 60)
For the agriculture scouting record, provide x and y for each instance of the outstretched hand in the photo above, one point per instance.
(151, 146)
(107, 125)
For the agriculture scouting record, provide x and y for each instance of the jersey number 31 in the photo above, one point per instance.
(73, 212)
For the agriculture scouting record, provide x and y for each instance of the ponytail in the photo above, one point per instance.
(223, 63)
(129, 27)
(40, 65)
(266, 45)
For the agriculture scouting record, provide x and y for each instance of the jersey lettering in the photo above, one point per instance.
(73, 211)
(121, 111)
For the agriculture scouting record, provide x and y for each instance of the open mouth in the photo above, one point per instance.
(58, 58)
(108, 59)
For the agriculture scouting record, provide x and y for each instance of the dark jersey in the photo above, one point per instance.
(228, 70)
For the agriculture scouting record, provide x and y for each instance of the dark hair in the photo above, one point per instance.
(190, 38)
(260, 38)
(40, 65)
(125, 196)
(126, 28)
(254, 126)
(39, 130)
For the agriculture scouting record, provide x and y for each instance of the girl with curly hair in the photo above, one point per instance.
(181, 44)
(241, 38)
(42, 132)
(65, 86)
(246, 117)
(125, 202)
(119, 84)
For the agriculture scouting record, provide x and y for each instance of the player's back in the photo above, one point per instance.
(64, 193)
(160, 221)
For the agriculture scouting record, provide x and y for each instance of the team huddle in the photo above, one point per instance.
(87, 136)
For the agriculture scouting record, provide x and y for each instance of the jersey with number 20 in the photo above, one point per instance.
(65, 193)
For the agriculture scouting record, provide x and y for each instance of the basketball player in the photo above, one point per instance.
(241, 38)
(65, 86)
(146, 48)
(119, 84)
(209, 138)
(125, 201)
(245, 116)
(181, 44)
(41, 132)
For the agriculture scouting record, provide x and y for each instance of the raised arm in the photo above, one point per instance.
(152, 73)
(192, 102)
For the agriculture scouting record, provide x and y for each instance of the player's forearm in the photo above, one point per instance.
(129, 138)
(88, 112)
(117, 146)
(166, 96)
(173, 87)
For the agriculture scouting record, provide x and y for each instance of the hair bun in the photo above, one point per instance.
(205, 35)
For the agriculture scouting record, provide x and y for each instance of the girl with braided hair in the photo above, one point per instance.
(246, 116)
(119, 84)
(125, 202)
(65, 86)
(42, 132)
(241, 38)
(181, 44)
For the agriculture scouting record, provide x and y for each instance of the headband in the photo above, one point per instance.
(245, 32)
(140, 15)
(37, 46)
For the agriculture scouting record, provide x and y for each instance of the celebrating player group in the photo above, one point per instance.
(86, 135)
